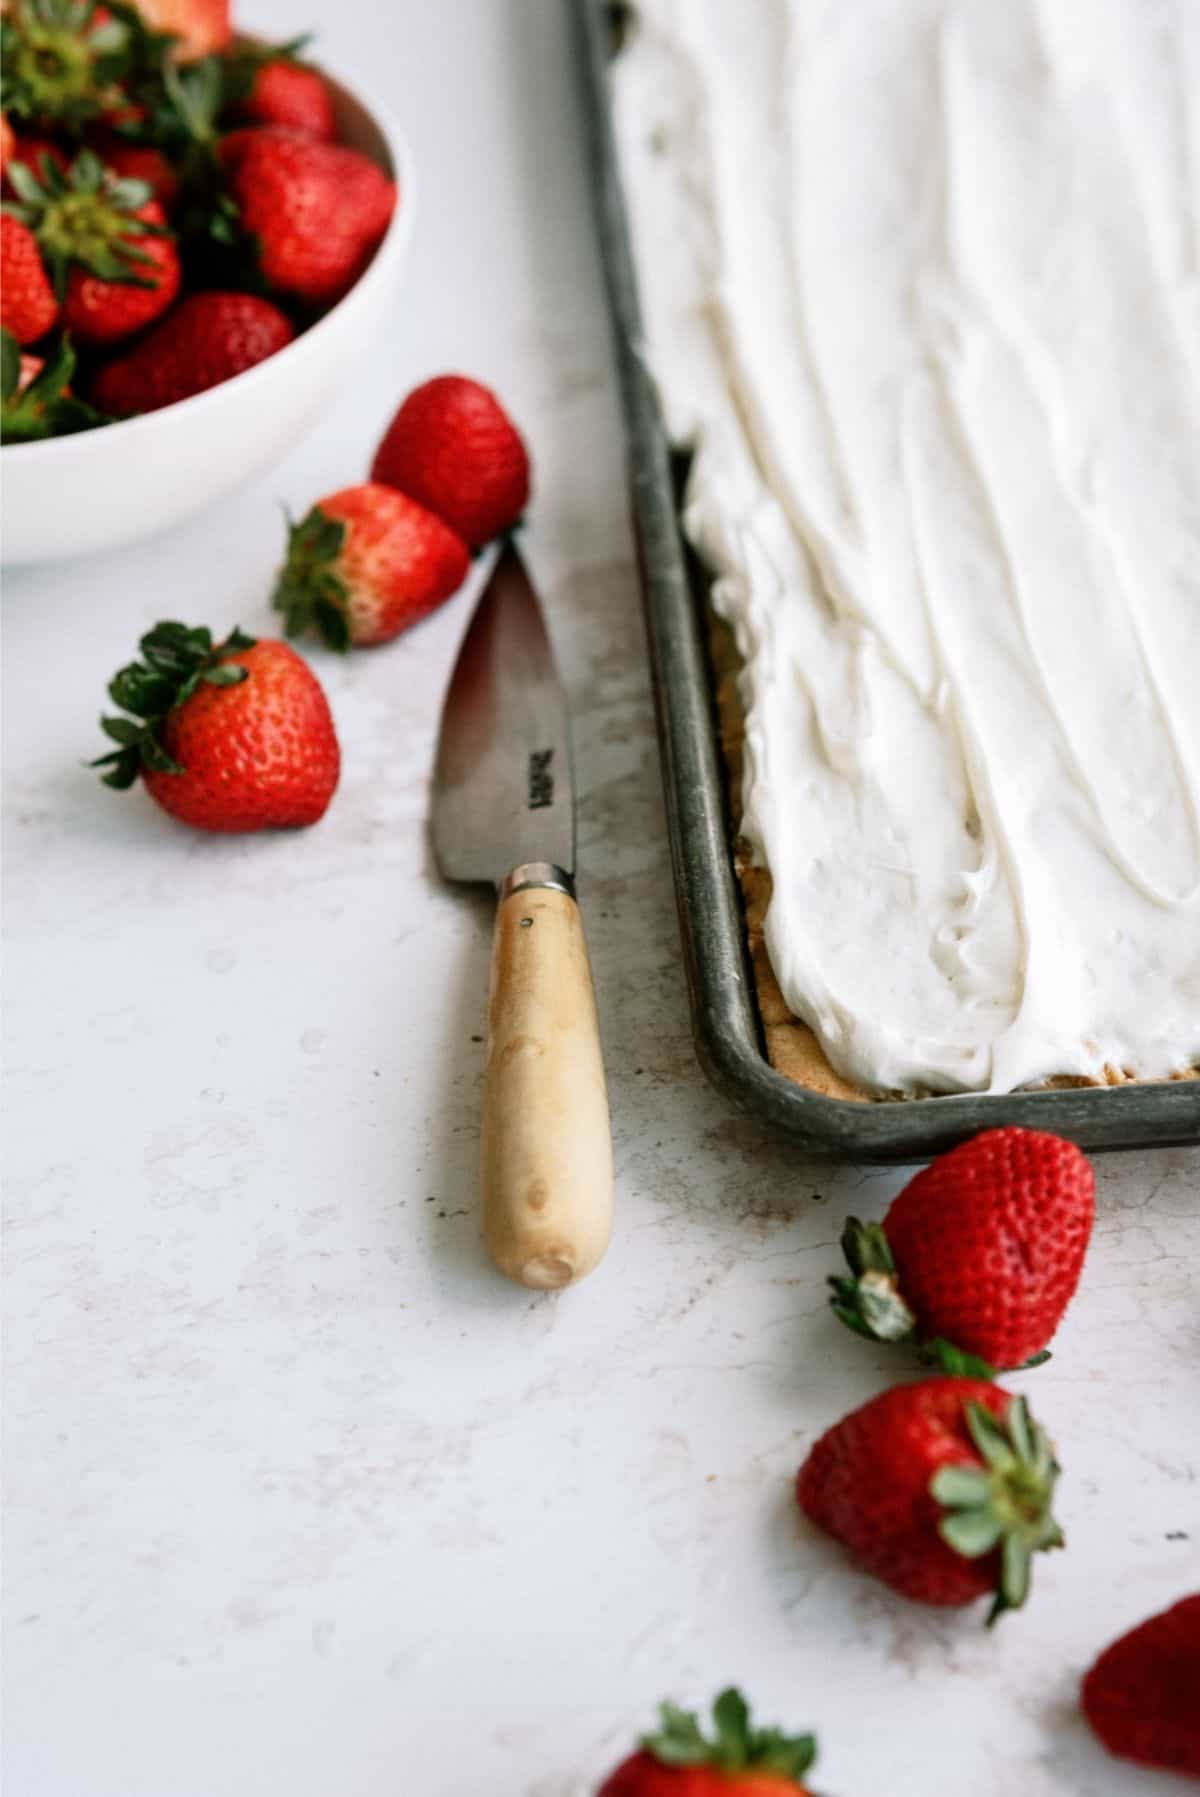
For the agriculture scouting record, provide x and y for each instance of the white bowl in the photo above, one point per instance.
(72, 495)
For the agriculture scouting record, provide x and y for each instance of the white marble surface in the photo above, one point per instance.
(301, 1497)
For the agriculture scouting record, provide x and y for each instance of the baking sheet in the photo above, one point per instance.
(724, 1011)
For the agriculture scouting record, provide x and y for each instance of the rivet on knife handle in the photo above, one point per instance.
(547, 1171)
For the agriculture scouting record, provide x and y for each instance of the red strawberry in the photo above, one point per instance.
(229, 737)
(680, 1761)
(980, 1253)
(285, 92)
(142, 162)
(8, 141)
(942, 1489)
(207, 339)
(365, 564)
(27, 304)
(453, 446)
(201, 26)
(1142, 1696)
(317, 210)
(105, 243)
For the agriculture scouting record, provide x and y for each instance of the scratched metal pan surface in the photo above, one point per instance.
(724, 1009)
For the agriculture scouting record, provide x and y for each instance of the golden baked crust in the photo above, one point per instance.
(792, 1048)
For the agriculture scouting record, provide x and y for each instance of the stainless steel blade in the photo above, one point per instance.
(502, 790)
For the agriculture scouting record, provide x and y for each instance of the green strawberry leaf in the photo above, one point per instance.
(679, 1740)
(960, 1485)
(731, 1720)
(972, 1532)
(10, 365)
(955, 1361)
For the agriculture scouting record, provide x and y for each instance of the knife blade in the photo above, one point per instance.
(503, 786)
(504, 812)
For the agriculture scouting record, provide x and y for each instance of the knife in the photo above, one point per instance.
(504, 812)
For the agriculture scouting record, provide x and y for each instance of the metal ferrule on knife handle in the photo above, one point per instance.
(533, 874)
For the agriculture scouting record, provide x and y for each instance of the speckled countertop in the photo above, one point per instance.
(301, 1497)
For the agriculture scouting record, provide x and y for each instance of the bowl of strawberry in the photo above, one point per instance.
(201, 234)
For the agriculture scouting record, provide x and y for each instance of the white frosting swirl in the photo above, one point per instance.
(922, 287)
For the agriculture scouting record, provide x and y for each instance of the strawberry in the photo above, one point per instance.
(680, 1761)
(942, 1489)
(27, 304)
(365, 564)
(200, 26)
(453, 447)
(61, 61)
(1142, 1696)
(8, 141)
(207, 339)
(112, 260)
(229, 736)
(317, 210)
(979, 1254)
(142, 162)
(285, 92)
(35, 395)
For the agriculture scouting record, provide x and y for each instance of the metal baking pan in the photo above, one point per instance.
(724, 1007)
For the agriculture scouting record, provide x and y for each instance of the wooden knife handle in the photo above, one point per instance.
(547, 1144)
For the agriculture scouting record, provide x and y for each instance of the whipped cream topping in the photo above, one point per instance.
(922, 293)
